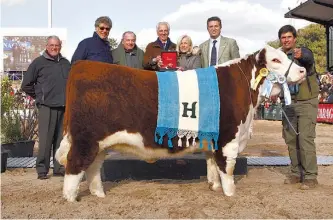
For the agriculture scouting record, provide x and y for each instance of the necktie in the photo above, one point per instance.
(213, 55)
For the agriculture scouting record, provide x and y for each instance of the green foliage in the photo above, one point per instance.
(6, 98)
(113, 43)
(312, 36)
(275, 44)
(18, 120)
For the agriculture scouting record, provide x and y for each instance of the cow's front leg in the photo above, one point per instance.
(226, 164)
(93, 175)
(71, 185)
(213, 175)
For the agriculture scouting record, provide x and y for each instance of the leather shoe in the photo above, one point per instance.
(309, 184)
(59, 173)
(42, 176)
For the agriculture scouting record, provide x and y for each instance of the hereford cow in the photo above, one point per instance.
(116, 107)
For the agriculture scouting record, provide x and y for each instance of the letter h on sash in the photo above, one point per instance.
(186, 109)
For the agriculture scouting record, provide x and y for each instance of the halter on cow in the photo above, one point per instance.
(116, 107)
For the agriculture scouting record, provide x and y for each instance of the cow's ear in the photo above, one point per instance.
(261, 57)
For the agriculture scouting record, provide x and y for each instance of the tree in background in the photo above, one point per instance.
(312, 36)
(113, 43)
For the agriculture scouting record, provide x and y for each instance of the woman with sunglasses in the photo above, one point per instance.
(97, 47)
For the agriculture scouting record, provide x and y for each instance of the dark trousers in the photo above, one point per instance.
(50, 128)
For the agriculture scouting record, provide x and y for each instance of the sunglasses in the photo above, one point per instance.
(104, 28)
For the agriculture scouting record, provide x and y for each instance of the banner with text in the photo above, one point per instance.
(325, 113)
(20, 51)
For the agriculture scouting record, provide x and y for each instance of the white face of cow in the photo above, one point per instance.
(279, 63)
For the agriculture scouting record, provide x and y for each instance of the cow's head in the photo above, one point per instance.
(277, 65)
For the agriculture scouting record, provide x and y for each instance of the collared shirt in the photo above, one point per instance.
(217, 45)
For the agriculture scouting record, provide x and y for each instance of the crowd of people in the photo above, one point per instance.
(46, 77)
(326, 88)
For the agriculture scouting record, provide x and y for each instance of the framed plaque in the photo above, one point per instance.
(169, 59)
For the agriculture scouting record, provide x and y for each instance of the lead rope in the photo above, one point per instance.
(285, 115)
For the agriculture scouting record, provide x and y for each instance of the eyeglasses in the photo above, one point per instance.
(104, 28)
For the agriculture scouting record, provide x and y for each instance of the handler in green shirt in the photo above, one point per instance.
(300, 133)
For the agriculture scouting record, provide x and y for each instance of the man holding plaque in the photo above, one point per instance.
(218, 49)
(152, 59)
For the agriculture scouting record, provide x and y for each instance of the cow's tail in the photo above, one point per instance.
(61, 153)
(70, 95)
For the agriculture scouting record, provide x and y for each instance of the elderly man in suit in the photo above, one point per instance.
(217, 49)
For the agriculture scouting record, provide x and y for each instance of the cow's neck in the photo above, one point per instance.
(249, 69)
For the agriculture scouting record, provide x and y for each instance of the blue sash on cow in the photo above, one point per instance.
(188, 106)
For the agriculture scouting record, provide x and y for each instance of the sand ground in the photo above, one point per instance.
(259, 194)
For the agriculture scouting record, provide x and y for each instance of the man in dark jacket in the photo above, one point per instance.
(45, 81)
(97, 47)
(128, 53)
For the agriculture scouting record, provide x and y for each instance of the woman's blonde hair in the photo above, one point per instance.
(179, 42)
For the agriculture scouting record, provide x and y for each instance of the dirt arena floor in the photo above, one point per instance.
(260, 194)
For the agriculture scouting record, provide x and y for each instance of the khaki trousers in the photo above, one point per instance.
(302, 149)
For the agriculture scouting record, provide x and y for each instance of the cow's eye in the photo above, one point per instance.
(276, 60)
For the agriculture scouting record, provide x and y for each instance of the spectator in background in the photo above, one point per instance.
(217, 49)
(97, 47)
(152, 57)
(45, 81)
(330, 98)
(187, 60)
(128, 53)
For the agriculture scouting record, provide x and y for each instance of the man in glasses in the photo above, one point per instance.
(45, 81)
(97, 47)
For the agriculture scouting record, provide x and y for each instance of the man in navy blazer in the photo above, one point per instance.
(97, 47)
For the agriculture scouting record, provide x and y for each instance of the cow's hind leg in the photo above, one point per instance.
(93, 175)
(213, 176)
(226, 163)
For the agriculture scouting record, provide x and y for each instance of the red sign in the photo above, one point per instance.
(325, 113)
(169, 59)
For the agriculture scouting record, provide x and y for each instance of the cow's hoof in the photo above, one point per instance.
(70, 198)
(98, 194)
(215, 188)
(230, 191)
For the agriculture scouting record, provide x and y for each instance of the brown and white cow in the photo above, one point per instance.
(115, 107)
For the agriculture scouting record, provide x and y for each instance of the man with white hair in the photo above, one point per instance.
(128, 53)
(45, 81)
(152, 57)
